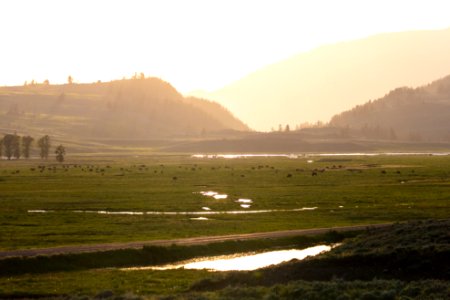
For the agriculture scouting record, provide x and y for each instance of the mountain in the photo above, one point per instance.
(405, 113)
(124, 109)
(317, 84)
(406, 120)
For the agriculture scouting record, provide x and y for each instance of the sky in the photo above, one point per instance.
(193, 44)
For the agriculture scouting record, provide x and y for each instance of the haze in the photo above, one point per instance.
(192, 44)
(316, 85)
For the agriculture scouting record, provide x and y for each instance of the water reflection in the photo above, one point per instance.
(232, 156)
(200, 219)
(268, 155)
(41, 211)
(107, 212)
(174, 213)
(382, 153)
(244, 200)
(242, 262)
(228, 212)
(213, 194)
(208, 193)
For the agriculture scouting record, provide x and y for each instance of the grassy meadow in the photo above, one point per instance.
(404, 261)
(345, 190)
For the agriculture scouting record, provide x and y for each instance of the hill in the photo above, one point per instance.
(405, 113)
(316, 85)
(144, 108)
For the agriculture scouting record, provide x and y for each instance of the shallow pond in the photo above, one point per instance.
(244, 200)
(243, 261)
(213, 194)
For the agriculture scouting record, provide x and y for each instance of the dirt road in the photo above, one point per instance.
(185, 241)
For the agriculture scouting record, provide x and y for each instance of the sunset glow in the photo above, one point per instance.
(191, 44)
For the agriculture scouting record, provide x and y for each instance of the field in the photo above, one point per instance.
(404, 261)
(102, 200)
(345, 191)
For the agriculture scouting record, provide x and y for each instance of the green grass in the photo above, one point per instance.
(403, 261)
(406, 261)
(412, 187)
(156, 255)
(94, 282)
(409, 251)
(335, 289)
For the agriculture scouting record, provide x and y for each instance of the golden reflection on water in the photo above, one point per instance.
(173, 213)
(241, 262)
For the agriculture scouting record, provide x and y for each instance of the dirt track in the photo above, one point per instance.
(185, 241)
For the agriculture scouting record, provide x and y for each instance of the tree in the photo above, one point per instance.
(11, 144)
(1, 148)
(16, 146)
(44, 145)
(69, 80)
(60, 152)
(26, 145)
(287, 128)
(46, 82)
(7, 145)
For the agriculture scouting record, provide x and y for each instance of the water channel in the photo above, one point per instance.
(242, 261)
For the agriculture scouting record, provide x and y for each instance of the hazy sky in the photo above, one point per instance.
(193, 44)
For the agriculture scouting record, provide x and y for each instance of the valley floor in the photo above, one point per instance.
(86, 202)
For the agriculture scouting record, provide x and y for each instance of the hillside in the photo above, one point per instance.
(125, 109)
(420, 114)
(316, 85)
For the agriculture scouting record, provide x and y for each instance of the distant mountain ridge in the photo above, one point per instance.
(123, 109)
(317, 84)
(404, 120)
(405, 113)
